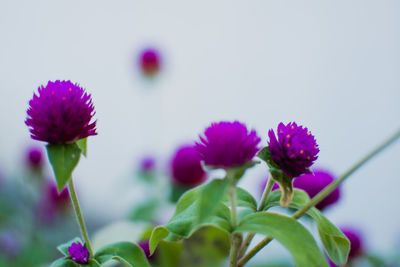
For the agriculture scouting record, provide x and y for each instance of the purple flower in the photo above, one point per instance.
(186, 167)
(356, 242)
(147, 164)
(144, 245)
(294, 151)
(78, 253)
(227, 144)
(150, 62)
(60, 113)
(312, 184)
(52, 202)
(34, 158)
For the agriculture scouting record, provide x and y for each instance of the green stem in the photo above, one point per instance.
(262, 204)
(236, 239)
(321, 195)
(79, 216)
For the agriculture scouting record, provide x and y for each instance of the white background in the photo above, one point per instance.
(330, 65)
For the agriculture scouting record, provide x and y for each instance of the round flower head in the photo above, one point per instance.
(312, 184)
(34, 158)
(356, 242)
(227, 144)
(147, 164)
(295, 149)
(78, 253)
(150, 62)
(186, 167)
(60, 113)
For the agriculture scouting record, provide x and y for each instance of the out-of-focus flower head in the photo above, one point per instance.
(227, 144)
(147, 164)
(34, 158)
(9, 245)
(60, 113)
(186, 167)
(356, 242)
(150, 62)
(78, 253)
(294, 149)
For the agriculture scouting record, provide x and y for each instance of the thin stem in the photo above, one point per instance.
(79, 216)
(321, 195)
(236, 239)
(262, 204)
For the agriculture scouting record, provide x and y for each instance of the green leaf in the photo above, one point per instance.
(145, 211)
(211, 194)
(335, 242)
(64, 262)
(125, 252)
(63, 248)
(185, 220)
(265, 155)
(63, 158)
(289, 232)
(237, 172)
(169, 253)
(82, 144)
(244, 199)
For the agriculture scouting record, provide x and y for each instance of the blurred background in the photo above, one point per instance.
(332, 66)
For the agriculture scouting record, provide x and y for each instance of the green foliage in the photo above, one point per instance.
(82, 144)
(244, 199)
(237, 172)
(284, 181)
(66, 262)
(63, 158)
(335, 242)
(145, 211)
(125, 252)
(169, 253)
(289, 232)
(186, 219)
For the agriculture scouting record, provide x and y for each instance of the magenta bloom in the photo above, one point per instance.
(147, 164)
(34, 158)
(186, 167)
(144, 245)
(294, 151)
(78, 253)
(313, 184)
(150, 62)
(227, 144)
(60, 113)
(356, 242)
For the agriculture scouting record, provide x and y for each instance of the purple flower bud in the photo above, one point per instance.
(34, 158)
(186, 167)
(295, 150)
(356, 242)
(60, 113)
(78, 253)
(227, 144)
(150, 62)
(144, 245)
(147, 164)
(312, 184)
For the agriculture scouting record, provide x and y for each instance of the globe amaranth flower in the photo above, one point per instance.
(147, 164)
(78, 253)
(52, 202)
(294, 149)
(186, 167)
(34, 158)
(60, 113)
(227, 144)
(356, 242)
(312, 184)
(150, 62)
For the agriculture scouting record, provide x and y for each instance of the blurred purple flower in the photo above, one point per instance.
(313, 184)
(78, 253)
(227, 144)
(147, 164)
(144, 245)
(34, 158)
(52, 202)
(150, 62)
(356, 242)
(9, 245)
(61, 112)
(295, 150)
(186, 167)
